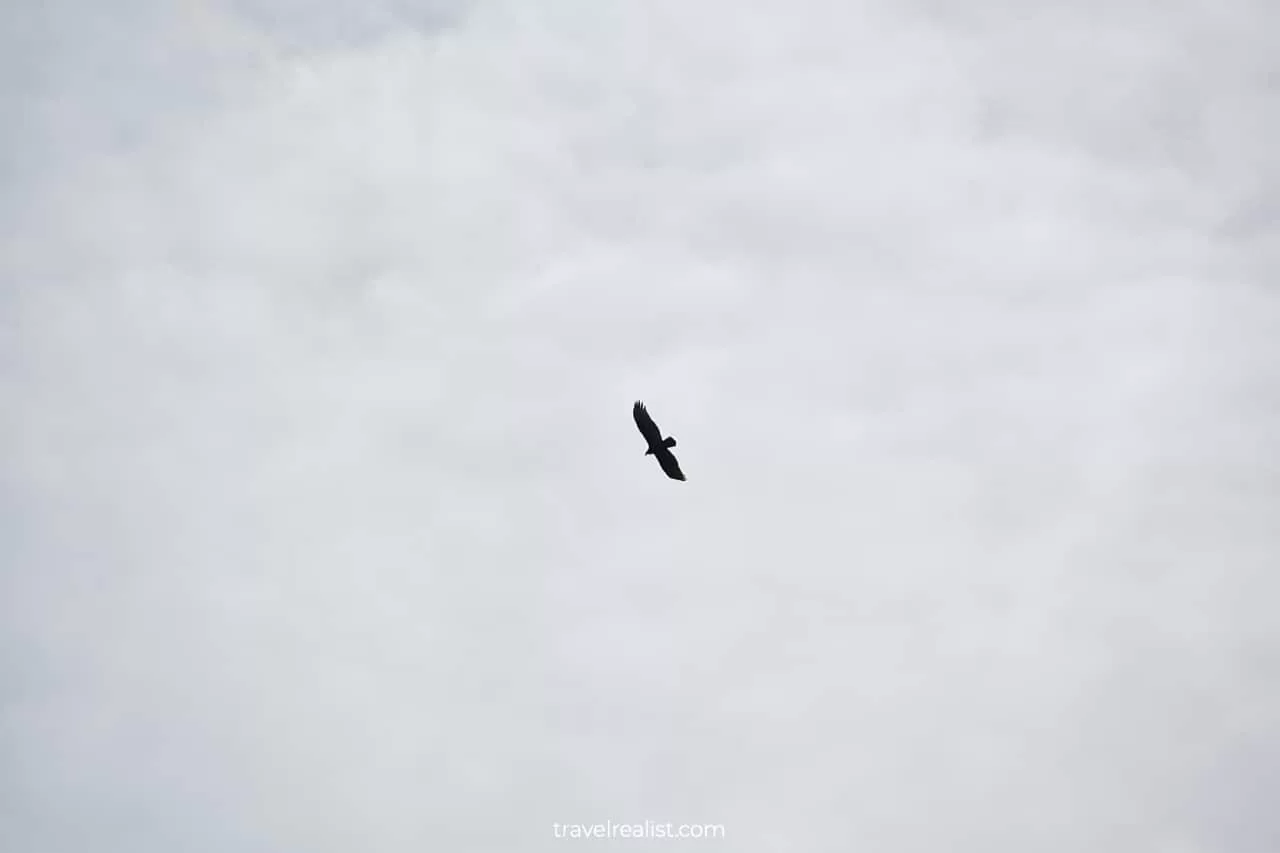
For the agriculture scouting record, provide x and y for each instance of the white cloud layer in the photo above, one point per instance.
(324, 525)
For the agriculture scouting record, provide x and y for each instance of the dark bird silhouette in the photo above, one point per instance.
(658, 446)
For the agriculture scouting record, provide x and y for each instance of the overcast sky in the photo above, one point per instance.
(324, 524)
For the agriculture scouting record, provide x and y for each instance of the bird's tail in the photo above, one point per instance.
(669, 441)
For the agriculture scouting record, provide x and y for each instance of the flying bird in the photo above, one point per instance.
(658, 446)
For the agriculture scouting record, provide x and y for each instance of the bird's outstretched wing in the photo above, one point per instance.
(648, 428)
(667, 460)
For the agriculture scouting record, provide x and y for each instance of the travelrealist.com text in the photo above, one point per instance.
(647, 829)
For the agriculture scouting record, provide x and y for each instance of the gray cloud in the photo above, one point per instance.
(323, 523)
